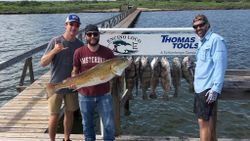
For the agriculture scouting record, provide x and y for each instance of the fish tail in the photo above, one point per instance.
(50, 89)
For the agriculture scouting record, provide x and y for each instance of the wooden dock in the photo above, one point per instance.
(129, 20)
(236, 85)
(27, 112)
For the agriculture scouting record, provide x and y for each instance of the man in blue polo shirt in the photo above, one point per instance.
(210, 69)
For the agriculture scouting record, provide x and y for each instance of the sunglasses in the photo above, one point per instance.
(74, 24)
(199, 25)
(90, 34)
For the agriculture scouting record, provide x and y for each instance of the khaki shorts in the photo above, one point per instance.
(55, 102)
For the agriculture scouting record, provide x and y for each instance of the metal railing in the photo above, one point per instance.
(109, 23)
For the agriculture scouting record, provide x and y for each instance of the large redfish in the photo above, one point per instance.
(98, 74)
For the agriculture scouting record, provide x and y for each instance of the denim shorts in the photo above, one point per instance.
(202, 109)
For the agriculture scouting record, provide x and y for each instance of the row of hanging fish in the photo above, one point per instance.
(150, 72)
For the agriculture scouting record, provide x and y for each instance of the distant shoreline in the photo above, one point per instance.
(84, 11)
(35, 7)
(155, 10)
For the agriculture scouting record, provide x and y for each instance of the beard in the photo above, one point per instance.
(201, 33)
(93, 42)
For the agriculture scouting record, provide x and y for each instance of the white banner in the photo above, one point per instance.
(151, 44)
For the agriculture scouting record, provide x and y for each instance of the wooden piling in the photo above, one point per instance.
(116, 105)
(28, 64)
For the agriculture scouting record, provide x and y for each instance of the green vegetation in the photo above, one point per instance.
(23, 7)
(193, 5)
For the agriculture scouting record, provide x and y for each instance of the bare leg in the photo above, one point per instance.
(212, 124)
(212, 129)
(52, 126)
(68, 123)
(205, 133)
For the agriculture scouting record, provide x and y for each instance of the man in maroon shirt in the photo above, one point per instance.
(98, 96)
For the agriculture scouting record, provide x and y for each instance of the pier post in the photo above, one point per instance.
(28, 64)
(214, 119)
(116, 104)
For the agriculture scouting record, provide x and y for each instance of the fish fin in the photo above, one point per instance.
(75, 90)
(50, 89)
(119, 73)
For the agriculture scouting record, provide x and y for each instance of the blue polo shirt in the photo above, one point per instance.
(211, 57)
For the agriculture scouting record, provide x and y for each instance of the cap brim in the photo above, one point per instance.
(69, 21)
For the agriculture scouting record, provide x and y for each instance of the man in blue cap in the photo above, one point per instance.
(59, 54)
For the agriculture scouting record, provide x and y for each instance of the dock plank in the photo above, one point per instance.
(78, 137)
(236, 85)
(37, 118)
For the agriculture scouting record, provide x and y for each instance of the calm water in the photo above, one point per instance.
(151, 117)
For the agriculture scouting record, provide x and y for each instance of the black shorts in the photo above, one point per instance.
(202, 109)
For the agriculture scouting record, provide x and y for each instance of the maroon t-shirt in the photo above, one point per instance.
(84, 59)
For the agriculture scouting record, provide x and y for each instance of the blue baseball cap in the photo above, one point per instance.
(73, 18)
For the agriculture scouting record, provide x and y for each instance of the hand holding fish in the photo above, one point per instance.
(73, 87)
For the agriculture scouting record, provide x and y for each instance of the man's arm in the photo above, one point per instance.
(75, 71)
(47, 58)
(220, 62)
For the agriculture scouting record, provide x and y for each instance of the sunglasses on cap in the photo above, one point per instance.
(199, 25)
(90, 34)
(74, 24)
